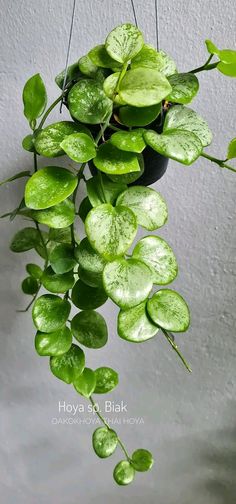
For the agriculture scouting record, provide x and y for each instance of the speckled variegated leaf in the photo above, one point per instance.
(85, 383)
(183, 146)
(183, 118)
(58, 284)
(124, 42)
(110, 230)
(50, 313)
(131, 141)
(48, 141)
(110, 86)
(48, 187)
(55, 343)
(113, 161)
(103, 191)
(143, 87)
(100, 57)
(123, 473)
(168, 309)
(134, 324)
(134, 116)
(79, 147)
(88, 259)
(86, 297)
(90, 329)
(184, 87)
(88, 102)
(69, 366)
(150, 58)
(157, 254)
(106, 380)
(87, 67)
(148, 206)
(127, 282)
(58, 216)
(104, 442)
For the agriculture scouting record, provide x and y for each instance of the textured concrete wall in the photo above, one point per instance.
(189, 421)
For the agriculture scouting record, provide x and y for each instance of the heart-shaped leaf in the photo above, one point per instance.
(86, 297)
(87, 67)
(143, 87)
(88, 102)
(54, 343)
(158, 255)
(69, 366)
(130, 141)
(127, 282)
(183, 146)
(34, 98)
(102, 190)
(90, 329)
(48, 141)
(62, 258)
(58, 216)
(85, 383)
(134, 324)
(135, 116)
(110, 230)
(124, 42)
(57, 283)
(124, 473)
(148, 206)
(106, 380)
(50, 313)
(232, 149)
(34, 271)
(48, 187)
(181, 118)
(184, 87)
(148, 57)
(104, 442)
(142, 460)
(168, 310)
(30, 286)
(25, 239)
(79, 147)
(100, 57)
(88, 259)
(113, 161)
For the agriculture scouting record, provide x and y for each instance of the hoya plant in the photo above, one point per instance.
(127, 113)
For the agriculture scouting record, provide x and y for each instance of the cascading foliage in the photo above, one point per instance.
(123, 97)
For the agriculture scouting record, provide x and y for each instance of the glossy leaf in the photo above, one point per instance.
(143, 87)
(28, 143)
(34, 271)
(142, 460)
(84, 208)
(104, 442)
(55, 343)
(110, 230)
(110, 88)
(212, 49)
(128, 178)
(34, 98)
(69, 366)
(87, 67)
(90, 329)
(127, 282)
(85, 383)
(50, 313)
(134, 325)
(183, 146)
(148, 57)
(148, 206)
(88, 102)
(88, 259)
(131, 141)
(227, 69)
(123, 473)
(100, 57)
(106, 380)
(135, 116)
(168, 310)
(25, 239)
(184, 87)
(158, 255)
(57, 283)
(79, 147)
(113, 161)
(58, 216)
(124, 42)
(183, 118)
(102, 190)
(62, 258)
(73, 74)
(48, 141)
(62, 235)
(48, 187)
(30, 286)
(90, 278)
(87, 298)
(232, 149)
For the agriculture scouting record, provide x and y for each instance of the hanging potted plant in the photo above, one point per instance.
(129, 115)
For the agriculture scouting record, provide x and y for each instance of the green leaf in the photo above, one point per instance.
(85, 383)
(87, 298)
(69, 366)
(113, 161)
(88, 102)
(142, 460)
(50, 313)
(25, 239)
(168, 310)
(212, 49)
(53, 344)
(89, 278)
(30, 286)
(28, 143)
(148, 206)
(79, 147)
(87, 67)
(34, 98)
(127, 282)
(110, 230)
(123, 473)
(124, 42)
(102, 190)
(183, 146)
(57, 283)
(62, 258)
(134, 116)
(58, 216)
(227, 56)
(134, 324)
(84, 208)
(128, 178)
(88, 259)
(100, 57)
(227, 69)
(73, 74)
(158, 255)
(106, 380)
(48, 141)
(183, 118)
(131, 141)
(90, 329)
(143, 87)
(60, 235)
(148, 57)
(25, 173)
(104, 442)
(184, 87)
(110, 88)
(34, 271)
(48, 187)
(232, 149)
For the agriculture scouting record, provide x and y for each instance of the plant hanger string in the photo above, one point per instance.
(156, 20)
(68, 52)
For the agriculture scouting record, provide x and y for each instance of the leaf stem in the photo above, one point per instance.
(170, 339)
(52, 106)
(80, 175)
(43, 243)
(206, 66)
(35, 162)
(219, 162)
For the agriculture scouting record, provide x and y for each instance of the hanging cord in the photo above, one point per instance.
(157, 24)
(68, 53)
(134, 13)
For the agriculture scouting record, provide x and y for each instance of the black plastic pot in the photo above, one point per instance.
(155, 166)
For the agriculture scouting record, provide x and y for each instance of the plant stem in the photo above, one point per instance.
(206, 66)
(102, 130)
(169, 337)
(35, 162)
(122, 74)
(32, 300)
(79, 176)
(43, 243)
(52, 106)
(108, 427)
(219, 162)
(114, 128)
